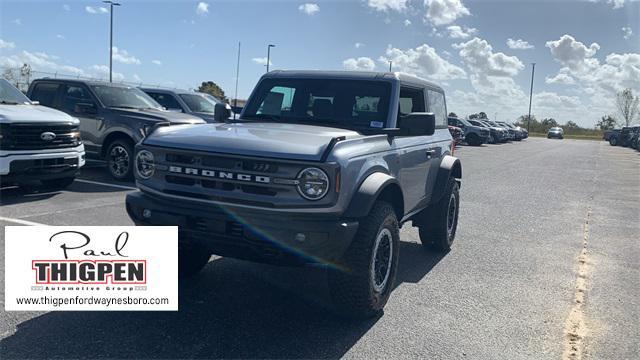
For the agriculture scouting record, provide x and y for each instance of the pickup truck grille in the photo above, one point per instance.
(29, 136)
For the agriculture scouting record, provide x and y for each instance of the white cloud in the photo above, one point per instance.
(309, 8)
(519, 44)
(6, 44)
(617, 4)
(443, 12)
(457, 32)
(572, 53)
(359, 64)
(122, 56)
(422, 61)
(479, 57)
(202, 8)
(102, 72)
(136, 78)
(627, 32)
(66, 7)
(407, 22)
(555, 101)
(17, 21)
(39, 61)
(562, 78)
(386, 5)
(59, 36)
(262, 61)
(96, 10)
(358, 45)
(156, 62)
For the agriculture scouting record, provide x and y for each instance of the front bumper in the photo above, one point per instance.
(555, 135)
(257, 235)
(21, 166)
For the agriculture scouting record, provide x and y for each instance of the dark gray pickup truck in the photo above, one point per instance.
(321, 167)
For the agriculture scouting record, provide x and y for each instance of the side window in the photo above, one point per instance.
(411, 100)
(438, 107)
(166, 100)
(73, 96)
(45, 93)
(278, 100)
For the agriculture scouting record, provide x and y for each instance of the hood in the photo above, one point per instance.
(32, 113)
(207, 117)
(158, 115)
(286, 141)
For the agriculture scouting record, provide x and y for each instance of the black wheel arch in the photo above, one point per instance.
(450, 166)
(117, 134)
(377, 186)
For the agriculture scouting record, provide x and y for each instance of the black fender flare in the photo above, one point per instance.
(368, 192)
(450, 166)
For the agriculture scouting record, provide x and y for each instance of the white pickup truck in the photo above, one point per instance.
(37, 143)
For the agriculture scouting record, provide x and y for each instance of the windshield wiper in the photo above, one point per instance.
(261, 117)
(125, 107)
(8, 102)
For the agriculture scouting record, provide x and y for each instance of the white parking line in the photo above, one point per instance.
(21, 222)
(106, 184)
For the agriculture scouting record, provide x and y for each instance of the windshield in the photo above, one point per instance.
(477, 123)
(340, 103)
(10, 95)
(124, 97)
(199, 103)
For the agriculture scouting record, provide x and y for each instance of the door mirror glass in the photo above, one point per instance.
(418, 124)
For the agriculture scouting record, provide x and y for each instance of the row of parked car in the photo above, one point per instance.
(98, 119)
(476, 132)
(628, 136)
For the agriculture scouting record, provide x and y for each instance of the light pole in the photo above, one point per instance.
(390, 65)
(269, 55)
(111, 4)
(533, 70)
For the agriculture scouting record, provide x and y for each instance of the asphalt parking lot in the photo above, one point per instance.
(508, 289)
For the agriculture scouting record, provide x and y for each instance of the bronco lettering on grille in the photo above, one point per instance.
(220, 174)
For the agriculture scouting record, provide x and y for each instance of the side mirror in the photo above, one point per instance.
(85, 108)
(418, 124)
(222, 112)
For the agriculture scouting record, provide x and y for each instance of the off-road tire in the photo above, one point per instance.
(351, 283)
(613, 141)
(118, 145)
(436, 233)
(59, 183)
(473, 140)
(191, 259)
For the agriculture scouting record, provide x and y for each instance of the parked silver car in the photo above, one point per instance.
(194, 103)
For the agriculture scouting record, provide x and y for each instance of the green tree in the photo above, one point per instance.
(482, 115)
(212, 88)
(548, 123)
(606, 123)
(452, 114)
(627, 105)
(570, 125)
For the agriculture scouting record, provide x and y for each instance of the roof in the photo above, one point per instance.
(81, 81)
(165, 90)
(351, 75)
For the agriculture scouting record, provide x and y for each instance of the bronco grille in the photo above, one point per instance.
(39, 136)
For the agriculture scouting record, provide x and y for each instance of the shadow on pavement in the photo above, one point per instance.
(234, 309)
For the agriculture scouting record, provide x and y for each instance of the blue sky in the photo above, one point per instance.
(585, 50)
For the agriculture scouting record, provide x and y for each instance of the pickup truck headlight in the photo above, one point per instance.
(145, 165)
(313, 183)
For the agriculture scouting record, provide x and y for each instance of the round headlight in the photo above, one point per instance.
(145, 166)
(313, 183)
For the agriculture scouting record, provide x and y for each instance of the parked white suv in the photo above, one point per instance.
(37, 143)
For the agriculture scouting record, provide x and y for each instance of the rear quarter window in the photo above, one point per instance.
(438, 107)
(45, 93)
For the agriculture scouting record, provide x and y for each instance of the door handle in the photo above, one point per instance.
(430, 153)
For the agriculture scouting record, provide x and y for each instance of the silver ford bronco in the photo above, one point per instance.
(321, 167)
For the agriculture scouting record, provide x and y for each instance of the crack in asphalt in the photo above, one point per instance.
(575, 328)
